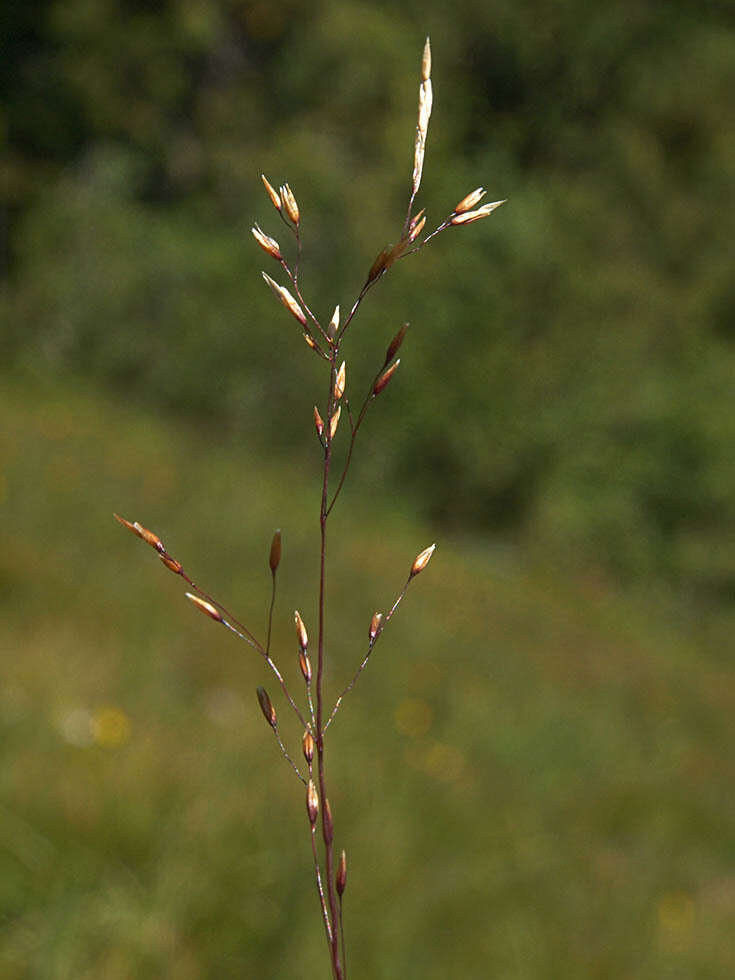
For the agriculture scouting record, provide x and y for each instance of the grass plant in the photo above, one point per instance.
(315, 709)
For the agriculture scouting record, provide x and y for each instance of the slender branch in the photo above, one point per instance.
(365, 659)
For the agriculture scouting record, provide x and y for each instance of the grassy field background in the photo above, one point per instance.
(533, 779)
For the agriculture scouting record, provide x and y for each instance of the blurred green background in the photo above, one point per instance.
(534, 777)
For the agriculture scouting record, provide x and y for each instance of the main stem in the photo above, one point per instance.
(323, 515)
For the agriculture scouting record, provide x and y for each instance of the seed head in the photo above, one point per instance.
(385, 377)
(334, 422)
(376, 626)
(468, 202)
(339, 385)
(268, 244)
(341, 877)
(422, 560)
(175, 566)
(289, 204)
(272, 193)
(301, 634)
(426, 62)
(467, 217)
(305, 665)
(312, 802)
(274, 558)
(287, 299)
(395, 344)
(266, 706)
(206, 607)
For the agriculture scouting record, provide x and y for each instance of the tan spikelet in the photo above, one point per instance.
(268, 244)
(339, 385)
(470, 200)
(286, 298)
(467, 217)
(272, 193)
(422, 560)
(334, 422)
(206, 607)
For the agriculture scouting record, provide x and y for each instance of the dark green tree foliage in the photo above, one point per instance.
(592, 328)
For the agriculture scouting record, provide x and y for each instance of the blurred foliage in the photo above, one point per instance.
(568, 380)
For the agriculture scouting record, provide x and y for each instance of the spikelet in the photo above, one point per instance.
(272, 193)
(266, 706)
(274, 558)
(318, 422)
(307, 745)
(312, 802)
(301, 634)
(470, 200)
(341, 876)
(333, 324)
(287, 299)
(339, 385)
(467, 217)
(289, 204)
(268, 244)
(334, 422)
(422, 126)
(394, 345)
(385, 377)
(422, 560)
(206, 607)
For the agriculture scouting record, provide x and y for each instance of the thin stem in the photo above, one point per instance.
(287, 757)
(365, 659)
(323, 515)
(270, 614)
(279, 677)
(320, 887)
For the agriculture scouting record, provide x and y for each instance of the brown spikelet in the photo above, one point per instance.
(416, 229)
(312, 802)
(378, 267)
(385, 377)
(318, 422)
(334, 422)
(274, 558)
(272, 193)
(394, 345)
(470, 200)
(307, 745)
(376, 625)
(327, 823)
(422, 560)
(310, 341)
(175, 566)
(305, 665)
(341, 877)
(266, 706)
(301, 635)
(206, 607)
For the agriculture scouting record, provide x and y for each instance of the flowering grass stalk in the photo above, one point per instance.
(316, 711)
